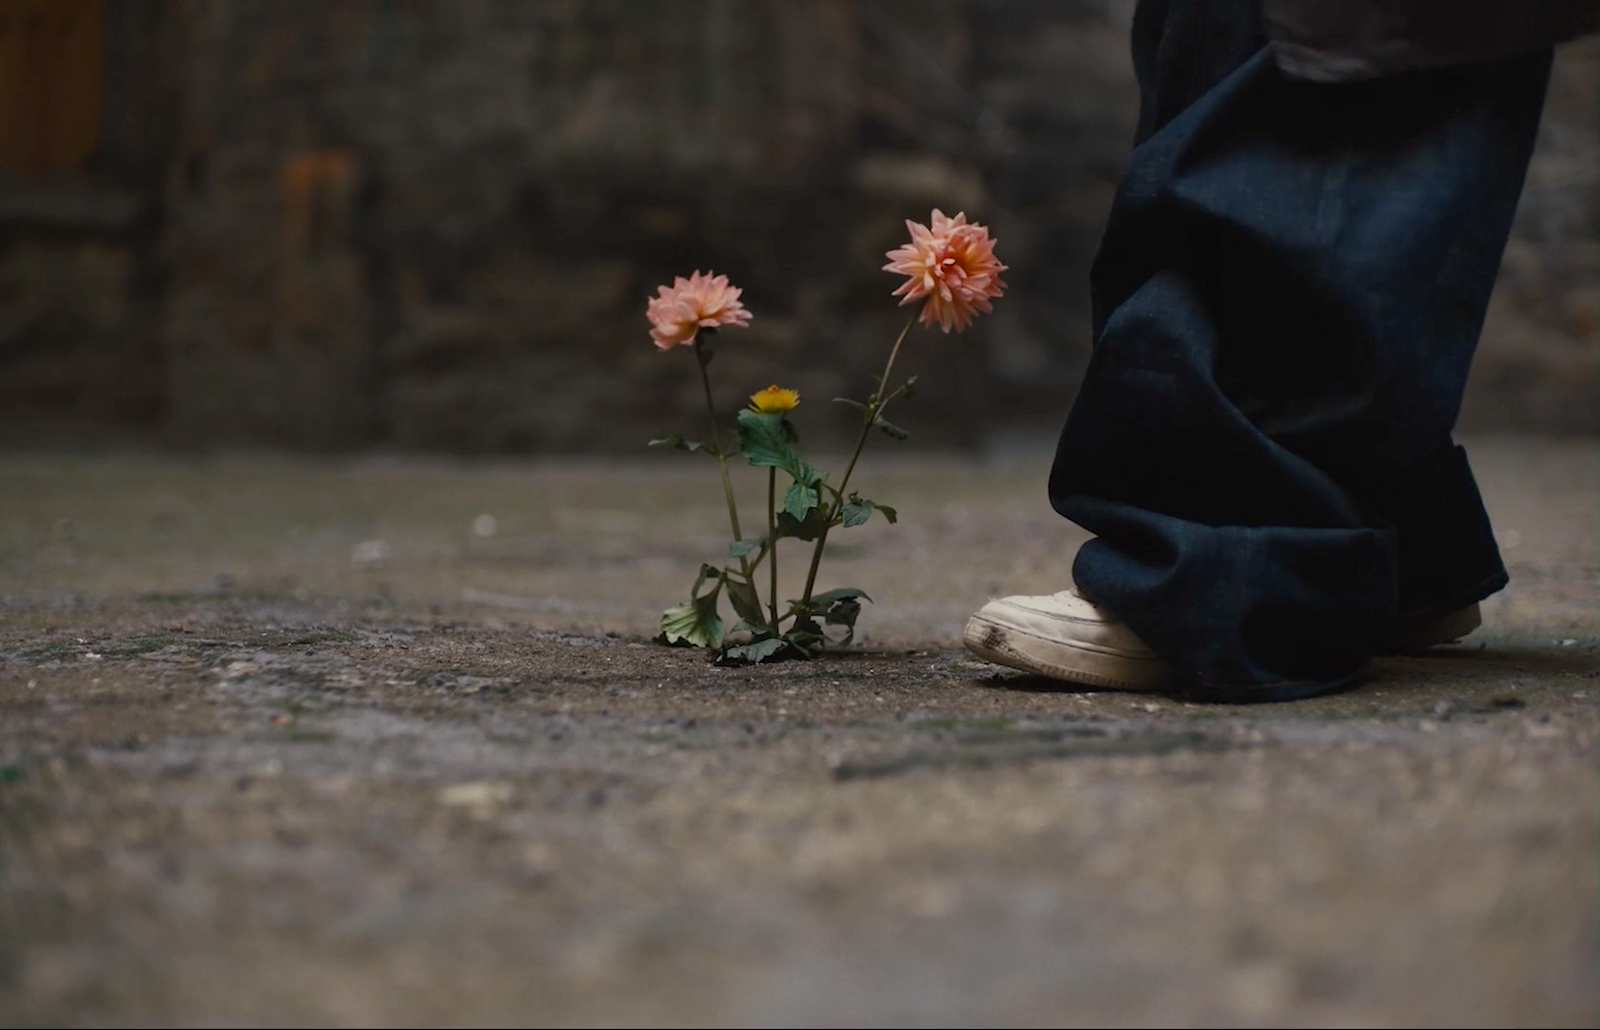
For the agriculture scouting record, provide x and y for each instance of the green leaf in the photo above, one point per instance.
(844, 613)
(857, 510)
(757, 650)
(805, 636)
(840, 607)
(808, 528)
(742, 548)
(707, 572)
(696, 624)
(799, 501)
(761, 440)
(765, 443)
(841, 594)
(822, 604)
(742, 595)
(677, 442)
(910, 387)
(865, 409)
(890, 428)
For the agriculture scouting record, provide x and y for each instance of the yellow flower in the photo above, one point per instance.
(774, 400)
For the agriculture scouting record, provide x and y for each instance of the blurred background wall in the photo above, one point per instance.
(433, 224)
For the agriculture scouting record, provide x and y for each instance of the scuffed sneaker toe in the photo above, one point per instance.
(1421, 634)
(1064, 637)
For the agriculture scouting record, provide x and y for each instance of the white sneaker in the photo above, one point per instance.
(1419, 635)
(1067, 638)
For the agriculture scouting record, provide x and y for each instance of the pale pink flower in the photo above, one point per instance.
(951, 266)
(678, 312)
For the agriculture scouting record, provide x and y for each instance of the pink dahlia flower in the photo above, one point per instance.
(951, 267)
(678, 312)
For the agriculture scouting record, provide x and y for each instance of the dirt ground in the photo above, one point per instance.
(385, 742)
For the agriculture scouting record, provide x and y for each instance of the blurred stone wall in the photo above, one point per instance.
(434, 223)
(82, 284)
(1537, 366)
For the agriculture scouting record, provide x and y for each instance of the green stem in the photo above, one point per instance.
(702, 360)
(772, 545)
(716, 438)
(878, 402)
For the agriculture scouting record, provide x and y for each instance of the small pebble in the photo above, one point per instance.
(369, 553)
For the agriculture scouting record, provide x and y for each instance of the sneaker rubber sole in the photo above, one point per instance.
(1444, 629)
(1068, 660)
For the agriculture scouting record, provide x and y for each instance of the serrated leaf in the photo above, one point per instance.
(696, 623)
(828, 597)
(844, 613)
(803, 610)
(761, 440)
(858, 510)
(805, 636)
(742, 548)
(757, 650)
(707, 572)
(742, 595)
(823, 603)
(677, 442)
(891, 429)
(766, 443)
(808, 528)
(799, 501)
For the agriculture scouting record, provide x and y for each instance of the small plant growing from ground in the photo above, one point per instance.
(951, 270)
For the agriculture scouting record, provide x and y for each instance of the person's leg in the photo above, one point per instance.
(1287, 298)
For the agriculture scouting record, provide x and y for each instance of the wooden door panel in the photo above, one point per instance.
(51, 58)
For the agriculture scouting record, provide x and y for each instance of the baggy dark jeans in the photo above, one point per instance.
(1286, 301)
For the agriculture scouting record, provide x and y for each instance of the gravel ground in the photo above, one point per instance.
(386, 742)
